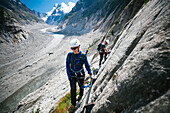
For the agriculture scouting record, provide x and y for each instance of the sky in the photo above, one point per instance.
(44, 6)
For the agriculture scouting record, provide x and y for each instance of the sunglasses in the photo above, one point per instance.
(74, 48)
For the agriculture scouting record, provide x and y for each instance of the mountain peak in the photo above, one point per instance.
(57, 13)
(56, 5)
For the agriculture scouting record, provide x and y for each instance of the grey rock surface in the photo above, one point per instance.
(11, 20)
(56, 16)
(90, 15)
(41, 15)
(137, 72)
(24, 16)
(160, 105)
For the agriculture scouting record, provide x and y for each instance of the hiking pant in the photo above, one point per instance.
(101, 57)
(73, 88)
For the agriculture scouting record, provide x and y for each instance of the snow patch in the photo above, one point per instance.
(56, 14)
(45, 18)
(50, 12)
(56, 5)
(64, 8)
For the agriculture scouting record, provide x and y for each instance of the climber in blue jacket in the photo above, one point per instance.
(75, 72)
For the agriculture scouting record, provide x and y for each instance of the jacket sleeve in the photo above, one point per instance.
(67, 65)
(87, 65)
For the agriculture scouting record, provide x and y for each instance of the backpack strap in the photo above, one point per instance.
(77, 61)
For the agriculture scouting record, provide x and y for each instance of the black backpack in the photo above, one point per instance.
(100, 48)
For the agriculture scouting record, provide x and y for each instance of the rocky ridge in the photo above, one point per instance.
(41, 15)
(24, 16)
(11, 20)
(90, 15)
(56, 16)
(135, 78)
(58, 11)
(11, 31)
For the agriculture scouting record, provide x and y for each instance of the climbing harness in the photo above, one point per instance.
(82, 86)
(76, 62)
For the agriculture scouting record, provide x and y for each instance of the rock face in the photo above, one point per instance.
(24, 16)
(52, 17)
(41, 15)
(58, 11)
(162, 104)
(11, 19)
(136, 76)
(56, 16)
(10, 30)
(89, 15)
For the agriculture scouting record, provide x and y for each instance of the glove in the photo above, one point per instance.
(87, 78)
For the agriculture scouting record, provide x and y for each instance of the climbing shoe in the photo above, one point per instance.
(79, 98)
(72, 108)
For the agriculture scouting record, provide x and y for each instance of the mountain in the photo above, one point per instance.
(41, 15)
(13, 14)
(58, 11)
(135, 78)
(88, 15)
(23, 16)
(55, 15)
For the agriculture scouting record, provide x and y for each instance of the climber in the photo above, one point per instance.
(74, 67)
(103, 51)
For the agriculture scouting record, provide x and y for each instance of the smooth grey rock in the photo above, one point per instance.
(138, 61)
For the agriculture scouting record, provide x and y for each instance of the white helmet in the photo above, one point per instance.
(74, 43)
(107, 41)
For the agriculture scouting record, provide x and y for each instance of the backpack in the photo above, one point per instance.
(100, 48)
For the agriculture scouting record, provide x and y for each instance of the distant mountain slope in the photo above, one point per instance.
(57, 13)
(13, 14)
(41, 15)
(89, 15)
(19, 11)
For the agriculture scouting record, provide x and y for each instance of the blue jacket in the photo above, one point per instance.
(76, 68)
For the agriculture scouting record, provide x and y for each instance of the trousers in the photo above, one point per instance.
(101, 57)
(73, 82)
